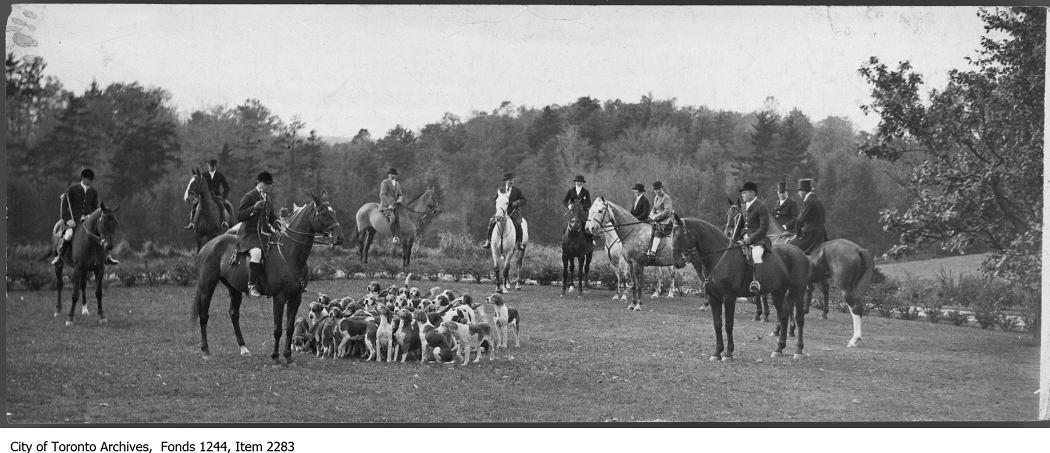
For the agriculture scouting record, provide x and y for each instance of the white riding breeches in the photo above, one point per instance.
(756, 253)
(524, 231)
(67, 235)
(256, 255)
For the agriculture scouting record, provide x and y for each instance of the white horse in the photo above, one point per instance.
(502, 245)
(622, 269)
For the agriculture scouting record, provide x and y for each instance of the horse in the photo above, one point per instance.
(622, 271)
(412, 216)
(91, 240)
(502, 245)
(286, 272)
(849, 265)
(575, 247)
(635, 238)
(726, 276)
(207, 219)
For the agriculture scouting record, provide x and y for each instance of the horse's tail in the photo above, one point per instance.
(354, 238)
(867, 264)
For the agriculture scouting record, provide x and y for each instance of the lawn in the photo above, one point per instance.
(931, 268)
(581, 360)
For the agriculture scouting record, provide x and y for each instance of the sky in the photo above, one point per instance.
(341, 68)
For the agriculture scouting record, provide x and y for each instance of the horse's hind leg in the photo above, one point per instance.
(825, 287)
(202, 304)
(794, 301)
(716, 320)
(730, 312)
(98, 295)
(783, 313)
(58, 286)
(278, 318)
(235, 317)
(565, 274)
(856, 310)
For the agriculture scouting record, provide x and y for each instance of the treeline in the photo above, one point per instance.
(143, 153)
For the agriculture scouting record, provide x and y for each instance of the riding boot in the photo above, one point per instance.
(486, 245)
(61, 251)
(755, 286)
(255, 277)
(517, 237)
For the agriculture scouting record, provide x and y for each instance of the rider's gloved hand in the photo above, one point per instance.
(71, 223)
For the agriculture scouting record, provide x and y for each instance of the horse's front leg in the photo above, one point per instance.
(99, 271)
(278, 317)
(638, 279)
(730, 312)
(716, 320)
(291, 308)
(565, 260)
(58, 285)
(77, 288)
(496, 273)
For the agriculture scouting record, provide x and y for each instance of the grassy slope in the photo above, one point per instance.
(581, 361)
(956, 265)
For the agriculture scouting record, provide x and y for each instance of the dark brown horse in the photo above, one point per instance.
(91, 240)
(726, 276)
(412, 217)
(286, 272)
(576, 247)
(849, 265)
(208, 218)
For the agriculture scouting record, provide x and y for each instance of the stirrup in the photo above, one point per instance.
(188, 227)
(396, 240)
(253, 291)
(520, 246)
(755, 286)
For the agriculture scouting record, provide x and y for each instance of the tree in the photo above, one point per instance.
(764, 143)
(978, 144)
(792, 157)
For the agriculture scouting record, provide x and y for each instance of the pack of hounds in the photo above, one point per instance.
(403, 324)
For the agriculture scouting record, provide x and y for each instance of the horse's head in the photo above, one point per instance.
(430, 201)
(732, 216)
(598, 215)
(683, 244)
(106, 226)
(197, 185)
(577, 216)
(502, 204)
(324, 221)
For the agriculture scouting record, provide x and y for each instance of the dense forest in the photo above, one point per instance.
(143, 152)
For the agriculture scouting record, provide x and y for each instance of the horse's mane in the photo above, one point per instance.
(621, 213)
(413, 200)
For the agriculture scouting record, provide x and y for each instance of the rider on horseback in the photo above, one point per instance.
(516, 200)
(79, 201)
(809, 228)
(219, 189)
(579, 194)
(662, 216)
(390, 197)
(640, 209)
(786, 211)
(257, 217)
(752, 230)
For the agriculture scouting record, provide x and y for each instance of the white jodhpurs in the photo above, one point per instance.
(256, 255)
(756, 253)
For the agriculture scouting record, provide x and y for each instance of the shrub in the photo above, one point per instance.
(183, 273)
(958, 317)
(933, 311)
(984, 312)
(127, 278)
(908, 312)
(1005, 322)
(882, 298)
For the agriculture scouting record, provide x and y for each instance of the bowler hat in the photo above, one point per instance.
(638, 186)
(392, 171)
(87, 174)
(579, 178)
(508, 175)
(658, 185)
(750, 186)
(781, 187)
(805, 184)
(213, 162)
(265, 177)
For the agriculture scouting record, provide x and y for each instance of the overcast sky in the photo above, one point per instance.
(346, 67)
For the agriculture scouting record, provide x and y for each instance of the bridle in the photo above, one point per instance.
(611, 220)
(97, 225)
(317, 237)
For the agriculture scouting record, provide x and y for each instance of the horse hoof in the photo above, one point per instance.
(245, 352)
(727, 358)
(206, 357)
(775, 355)
(798, 356)
(773, 334)
(756, 319)
(103, 321)
(852, 343)
(57, 313)
(69, 323)
(84, 310)
(714, 358)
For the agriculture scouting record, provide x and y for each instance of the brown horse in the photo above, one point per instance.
(208, 218)
(727, 275)
(91, 240)
(412, 219)
(575, 247)
(849, 265)
(635, 237)
(286, 272)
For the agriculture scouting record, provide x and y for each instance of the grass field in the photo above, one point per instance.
(581, 360)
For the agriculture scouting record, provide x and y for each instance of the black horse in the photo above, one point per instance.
(91, 240)
(575, 247)
(727, 275)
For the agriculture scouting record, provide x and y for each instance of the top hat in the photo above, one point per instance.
(750, 186)
(213, 162)
(781, 187)
(638, 186)
(392, 171)
(805, 184)
(508, 175)
(87, 174)
(658, 185)
(265, 177)
(579, 178)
